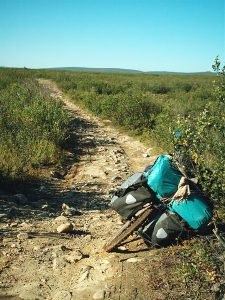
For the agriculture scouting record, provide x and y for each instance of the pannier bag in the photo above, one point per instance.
(163, 230)
(132, 195)
(194, 210)
(164, 179)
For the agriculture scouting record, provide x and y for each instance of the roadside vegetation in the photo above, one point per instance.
(154, 107)
(33, 126)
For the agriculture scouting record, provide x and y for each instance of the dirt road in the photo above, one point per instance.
(37, 262)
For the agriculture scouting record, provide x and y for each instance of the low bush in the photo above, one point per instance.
(33, 126)
(154, 107)
(161, 89)
(200, 269)
(202, 141)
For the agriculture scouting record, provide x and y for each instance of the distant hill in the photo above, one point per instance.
(180, 73)
(118, 70)
(127, 71)
(96, 70)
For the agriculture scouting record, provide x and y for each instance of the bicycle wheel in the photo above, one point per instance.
(127, 229)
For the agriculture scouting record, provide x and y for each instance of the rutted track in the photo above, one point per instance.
(48, 265)
(37, 262)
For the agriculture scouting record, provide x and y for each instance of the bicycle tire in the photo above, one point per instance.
(127, 229)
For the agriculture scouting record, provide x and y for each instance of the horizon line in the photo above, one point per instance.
(106, 68)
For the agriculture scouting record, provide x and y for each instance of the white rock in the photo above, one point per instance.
(84, 276)
(61, 219)
(62, 295)
(24, 224)
(105, 261)
(13, 225)
(58, 263)
(65, 228)
(133, 259)
(119, 222)
(65, 206)
(30, 291)
(123, 248)
(36, 248)
(99, 295)
(58, 250)
(107, 294)
(86, 268)
(22, 236)
(74, 256)
(44, 206)
(87, 238)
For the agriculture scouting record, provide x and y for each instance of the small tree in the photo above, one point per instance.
(219, 83)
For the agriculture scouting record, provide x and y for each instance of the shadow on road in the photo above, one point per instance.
(45, 194)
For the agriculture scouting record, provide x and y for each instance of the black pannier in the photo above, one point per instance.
(132, 195)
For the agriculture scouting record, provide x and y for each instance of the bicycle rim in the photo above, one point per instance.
(127, 229)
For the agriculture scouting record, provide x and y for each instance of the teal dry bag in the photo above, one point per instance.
(163, 179)
(194, 210)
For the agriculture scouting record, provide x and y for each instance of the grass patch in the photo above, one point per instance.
(33, 126)
(201, 267)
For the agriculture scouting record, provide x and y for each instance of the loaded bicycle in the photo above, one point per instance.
(161, 204)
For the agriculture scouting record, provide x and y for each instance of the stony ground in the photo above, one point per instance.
(52, 236)
(37, 261)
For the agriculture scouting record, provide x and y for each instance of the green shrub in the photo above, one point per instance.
(202, 141)
(200, 267)
(33, 126)
(161, 89)
(154, 106)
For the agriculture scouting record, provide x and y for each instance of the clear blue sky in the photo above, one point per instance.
(166, 35)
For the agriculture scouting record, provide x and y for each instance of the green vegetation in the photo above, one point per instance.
(151, 106)
(199, 262)
(203, 140)
(33, 126)
(196, 269)
(154, 106)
